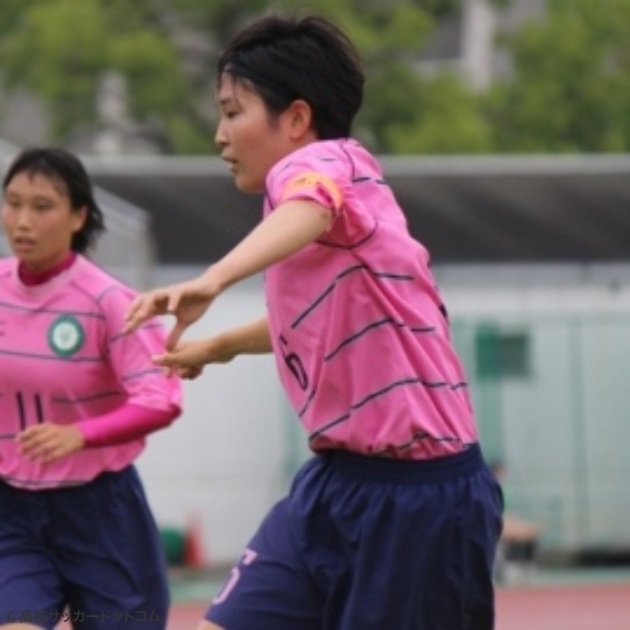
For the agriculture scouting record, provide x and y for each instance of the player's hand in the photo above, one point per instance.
(187, 358)
(189, 373)
(187, 301)
(49, 442)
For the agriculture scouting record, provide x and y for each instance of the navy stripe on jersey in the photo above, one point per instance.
(55, 311)
(120, 335)
(99, 298)
(51, 357)
(132, 375)
(320, 158)
(327, 158)
(419, 437)
(350, 160)
(346, 272)
(89, 296)
(84, 399)
(309, 400)
(414, 380)
(367, 178)
(366, 238)
(374, 326)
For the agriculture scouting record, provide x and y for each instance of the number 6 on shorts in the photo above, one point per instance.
(249, 555)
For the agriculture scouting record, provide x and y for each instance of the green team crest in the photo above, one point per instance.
(65, 336)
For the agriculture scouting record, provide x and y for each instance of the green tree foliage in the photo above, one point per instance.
(59, 49)
(445, 117)
(571, 85)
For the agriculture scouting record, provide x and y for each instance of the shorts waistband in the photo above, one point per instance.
(410, 470)
(103, 479)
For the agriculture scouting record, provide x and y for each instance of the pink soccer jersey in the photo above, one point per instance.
(360, 333)
(64, 359)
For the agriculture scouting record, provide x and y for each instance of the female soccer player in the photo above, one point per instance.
(77, 397)
(393, 524)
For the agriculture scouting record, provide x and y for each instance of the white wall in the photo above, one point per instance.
(472, 290)
(562, 428)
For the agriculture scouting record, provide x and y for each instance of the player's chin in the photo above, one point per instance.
(248, 185)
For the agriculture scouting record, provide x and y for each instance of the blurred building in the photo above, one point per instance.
(24, 120)
(570, 209)
(468, 42)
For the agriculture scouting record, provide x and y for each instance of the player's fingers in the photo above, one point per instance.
(174, 298)
(166, 360)
(32, 435)
(37, 450)
(178, 361)
(194, 372)
(189, 373)
(145, 307)
(176, 334)
(132, 316)
(54, 453)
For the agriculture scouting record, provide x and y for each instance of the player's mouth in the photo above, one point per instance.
(23, 244)
(232, 164)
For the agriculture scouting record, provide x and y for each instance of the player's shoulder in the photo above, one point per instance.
(98, 284)
(339, 158)
(7, 264)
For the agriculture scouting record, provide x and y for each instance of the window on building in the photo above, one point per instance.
(502, 354)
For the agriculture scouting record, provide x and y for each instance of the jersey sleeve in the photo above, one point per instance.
(325, 177)
(129, 355)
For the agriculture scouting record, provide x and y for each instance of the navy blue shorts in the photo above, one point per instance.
(372, 544)
(89, 554)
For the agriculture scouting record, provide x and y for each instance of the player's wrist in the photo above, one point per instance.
(229, 344)
(214, 281)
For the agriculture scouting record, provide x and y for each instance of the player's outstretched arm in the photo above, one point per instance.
(289, 228)
(188, 357)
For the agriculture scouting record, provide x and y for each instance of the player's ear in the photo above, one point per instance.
(78, 219)
(299, 118)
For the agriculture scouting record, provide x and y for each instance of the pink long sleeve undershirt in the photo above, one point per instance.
(124, 424)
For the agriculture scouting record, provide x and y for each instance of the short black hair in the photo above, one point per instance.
(64, 166)
(309, 58)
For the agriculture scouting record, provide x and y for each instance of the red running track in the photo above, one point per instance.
(575, 607)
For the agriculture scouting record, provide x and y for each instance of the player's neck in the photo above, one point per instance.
(31, 277)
